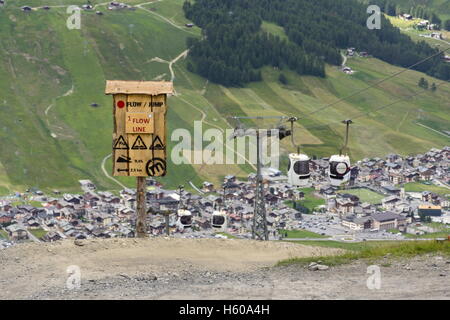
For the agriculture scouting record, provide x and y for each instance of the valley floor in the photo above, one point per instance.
(206, 269)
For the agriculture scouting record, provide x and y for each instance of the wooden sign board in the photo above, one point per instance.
(139, 137)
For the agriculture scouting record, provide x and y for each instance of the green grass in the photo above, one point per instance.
(38, 233)
(354, 246)
(4, 191)
(4, 234)
(438, 226)
(420, 187)
(432, 235)
(274, 29)
(441, 231)
(229, 236)
(35, 204)
(42, 60)
(440, 7)
(373, 252)
(365, 195)
(407, 27)
(300, 234)
(311, 201)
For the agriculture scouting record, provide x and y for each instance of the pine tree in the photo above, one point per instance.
(282, 78)
(233, 48)
(435, 19)
(433, 87)
(421, 83)
(447, 25)
(190, 67)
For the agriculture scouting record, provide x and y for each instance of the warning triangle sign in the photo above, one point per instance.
(121, 144)
(157, 144)
(139, 144)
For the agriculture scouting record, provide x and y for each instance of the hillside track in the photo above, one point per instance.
(202, 269)
(107, 175)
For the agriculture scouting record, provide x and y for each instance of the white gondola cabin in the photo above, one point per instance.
(298, 170)
(184, 218)
(219, 220)
(339, 169)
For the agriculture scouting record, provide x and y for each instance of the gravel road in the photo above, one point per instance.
(206, 269)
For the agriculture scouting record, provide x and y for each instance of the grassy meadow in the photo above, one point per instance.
(49, 76)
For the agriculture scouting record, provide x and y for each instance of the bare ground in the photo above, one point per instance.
(162, 268)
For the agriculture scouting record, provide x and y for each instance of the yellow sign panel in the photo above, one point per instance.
(139, 122)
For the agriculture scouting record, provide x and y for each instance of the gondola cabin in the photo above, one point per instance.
(298, 170)
(219, 220)
(184, 218)
(339, 169)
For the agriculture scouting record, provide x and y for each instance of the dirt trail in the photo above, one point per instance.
(105, 172)
(31, 269)
(141, 6)
(162, 268)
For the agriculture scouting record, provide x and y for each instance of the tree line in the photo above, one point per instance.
(234, 46)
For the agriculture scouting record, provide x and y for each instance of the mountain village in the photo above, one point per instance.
(341, 214)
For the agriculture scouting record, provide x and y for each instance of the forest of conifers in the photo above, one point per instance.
(234, 47)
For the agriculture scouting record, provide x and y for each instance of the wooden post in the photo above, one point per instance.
(167, 223)
(141, 221)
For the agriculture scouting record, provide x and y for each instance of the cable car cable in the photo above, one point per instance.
(394, 102)
(355, 93)
(376, 109)
(377, 83)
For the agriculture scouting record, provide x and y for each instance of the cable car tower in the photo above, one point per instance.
(259, 228)
(183, 214)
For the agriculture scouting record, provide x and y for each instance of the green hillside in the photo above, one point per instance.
(439, 7)
(50, 136)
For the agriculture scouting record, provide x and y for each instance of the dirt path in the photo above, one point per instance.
(344, 59)
(181, 55)
(54, 135)
(403, 120)
(105, 172)
(32, 269)
(162, 268)
(140, 6)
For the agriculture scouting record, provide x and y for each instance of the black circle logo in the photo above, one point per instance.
(156, 166)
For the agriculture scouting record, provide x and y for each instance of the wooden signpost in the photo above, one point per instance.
(139, 138)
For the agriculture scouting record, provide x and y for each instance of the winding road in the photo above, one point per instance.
(140, 6)
(107, 174)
